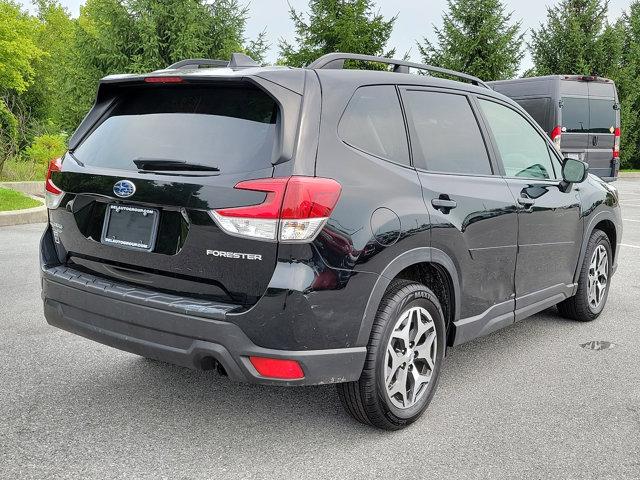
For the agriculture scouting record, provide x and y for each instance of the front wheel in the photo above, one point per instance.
(593, 282)
(404, 358)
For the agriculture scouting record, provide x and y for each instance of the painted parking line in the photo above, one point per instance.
(630, 204)
(630, 220)
(629, 245)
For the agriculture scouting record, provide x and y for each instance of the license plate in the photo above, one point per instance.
(132, 227)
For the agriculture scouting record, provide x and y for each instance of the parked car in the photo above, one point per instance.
(580, 113)
(320, 225)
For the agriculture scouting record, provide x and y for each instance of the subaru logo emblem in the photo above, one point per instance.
(124, 188)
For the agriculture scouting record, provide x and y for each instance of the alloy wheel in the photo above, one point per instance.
(410, 357)
(598, 276)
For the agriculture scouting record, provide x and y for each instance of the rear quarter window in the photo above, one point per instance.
(373, 123)
(232, 128)
(539, 109)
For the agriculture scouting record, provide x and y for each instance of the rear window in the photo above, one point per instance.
(232, 128)
(447, 136)
(538, 108)
(575, 114)
(602, 116)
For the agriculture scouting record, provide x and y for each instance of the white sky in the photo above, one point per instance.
(415, 19)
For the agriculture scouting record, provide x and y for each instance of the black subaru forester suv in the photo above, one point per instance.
(318, 225)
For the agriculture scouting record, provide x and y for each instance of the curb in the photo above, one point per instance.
(629, 175)
(27, 215)
(29, 188)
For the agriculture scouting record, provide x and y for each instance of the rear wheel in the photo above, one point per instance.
(404, 357)
(593, 282)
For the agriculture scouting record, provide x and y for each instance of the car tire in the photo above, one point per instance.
(590, 298)
(409, 312)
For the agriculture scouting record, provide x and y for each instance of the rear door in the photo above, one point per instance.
(603, 121)
(574, 119)
(473, 214)
(130, 216)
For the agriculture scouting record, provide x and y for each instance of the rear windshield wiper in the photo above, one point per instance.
(160, 164)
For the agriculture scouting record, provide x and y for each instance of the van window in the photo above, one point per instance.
(524, 152)
(538, 108)
(231, 128)
(602, 117)
(448, 138)
(575, 114)
(373, 123)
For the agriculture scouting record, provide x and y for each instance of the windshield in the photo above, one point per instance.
(231, 128)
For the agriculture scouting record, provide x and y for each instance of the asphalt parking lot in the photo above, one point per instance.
(526, 402)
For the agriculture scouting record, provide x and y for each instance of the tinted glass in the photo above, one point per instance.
(538, 108)
(602, 118)
(373, 123)
(234, 129)
(448, 138)
(575, 114)
(523, 150)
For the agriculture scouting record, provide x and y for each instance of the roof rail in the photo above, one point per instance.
(336, 60)
(238, 60)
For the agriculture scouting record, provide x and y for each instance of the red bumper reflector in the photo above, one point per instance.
(277, 368)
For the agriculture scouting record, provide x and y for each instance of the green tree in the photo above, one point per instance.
(627, 82)
(54, 72)
(17, 47)
(336, 25)
(18, 51)
(129, 36)
(477, 37)
(576, 39)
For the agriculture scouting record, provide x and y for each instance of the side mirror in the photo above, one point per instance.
(574, 171)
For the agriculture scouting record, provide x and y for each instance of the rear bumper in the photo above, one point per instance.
(176, 330)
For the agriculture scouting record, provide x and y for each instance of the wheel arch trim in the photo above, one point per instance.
(402, 261)
(591, 225)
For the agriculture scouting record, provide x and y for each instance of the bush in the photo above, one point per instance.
(46, 147)
(16, 169)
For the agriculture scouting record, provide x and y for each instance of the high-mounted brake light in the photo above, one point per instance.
(616, 143)
(165, 79)
(556, 136)
(53, 195)
(277, 368)
(294, 210)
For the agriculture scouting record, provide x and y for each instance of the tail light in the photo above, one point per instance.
(277, 368)
(556, 136)
(294, 210)
(53, 195)
(163, 79)
(616, 143)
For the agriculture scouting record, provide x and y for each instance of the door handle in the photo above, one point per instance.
(443, 203)
(526, 202)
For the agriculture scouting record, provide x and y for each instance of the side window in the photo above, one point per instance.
(602, 116)
(373, 123)
(575, 114)
(523, 150)
(448, 138)
(538, 108)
